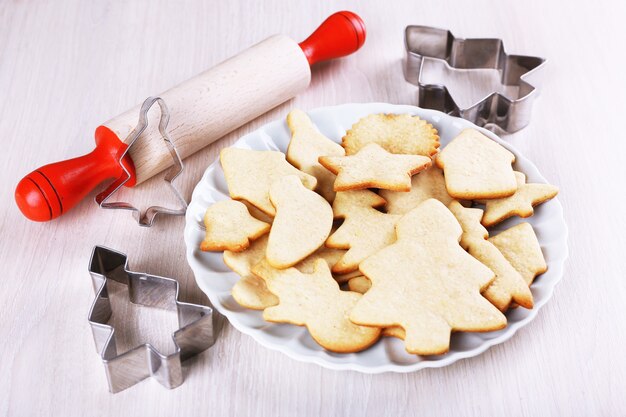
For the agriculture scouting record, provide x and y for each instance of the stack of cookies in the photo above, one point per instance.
(383, 235)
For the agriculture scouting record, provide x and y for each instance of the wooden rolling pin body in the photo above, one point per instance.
(216, 102)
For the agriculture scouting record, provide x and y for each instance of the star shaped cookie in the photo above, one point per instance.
(520, 204)
(374, 167)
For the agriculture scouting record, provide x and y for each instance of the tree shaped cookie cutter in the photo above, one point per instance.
(146, 219)
(196, 332)
(425, 43)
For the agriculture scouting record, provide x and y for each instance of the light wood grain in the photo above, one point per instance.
(216, 102)
(67, 66)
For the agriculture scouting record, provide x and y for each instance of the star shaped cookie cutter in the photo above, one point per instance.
(425, 43)
(146, 219)
(124, 370)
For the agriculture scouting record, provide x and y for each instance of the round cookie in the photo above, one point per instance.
(396, 133)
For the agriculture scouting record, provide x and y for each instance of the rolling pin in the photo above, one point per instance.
(202, 110)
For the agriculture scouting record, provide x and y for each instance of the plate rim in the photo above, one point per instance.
(446, 359)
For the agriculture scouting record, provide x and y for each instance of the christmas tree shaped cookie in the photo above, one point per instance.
(508, 286)
(427, 284)
(364, 231)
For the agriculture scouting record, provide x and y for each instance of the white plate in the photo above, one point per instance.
(388, 355)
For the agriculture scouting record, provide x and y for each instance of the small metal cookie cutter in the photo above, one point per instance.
(126, 369)
(509, 114)
(146, 219)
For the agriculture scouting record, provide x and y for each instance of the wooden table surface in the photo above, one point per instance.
(66, 66)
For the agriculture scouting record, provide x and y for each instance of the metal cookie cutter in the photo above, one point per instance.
(147, 219)
(126, 369)
(510, 114)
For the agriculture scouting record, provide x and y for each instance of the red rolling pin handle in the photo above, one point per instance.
(54, 189)
(339, 35)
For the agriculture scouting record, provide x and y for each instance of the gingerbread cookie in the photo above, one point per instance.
(427, 284)
(364, 231)
(397, 133)
(302, 223)
(250, 291)
(520, 204)
(315, 301)
(476, 167)
(306, 146)
(508, 286)
(249, 175)
(520, 247)
(229, 226)
(374, 167)
(427, 184)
